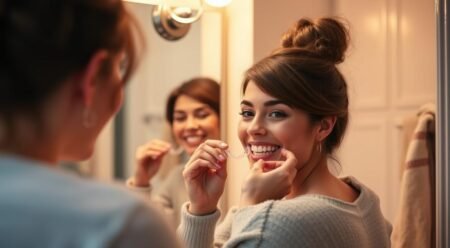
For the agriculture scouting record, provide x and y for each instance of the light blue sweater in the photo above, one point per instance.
(46, 207)
(306, 221)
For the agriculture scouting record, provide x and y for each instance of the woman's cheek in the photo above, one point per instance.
(242, 132)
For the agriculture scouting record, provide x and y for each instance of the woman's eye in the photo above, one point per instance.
(202, 115)
(179, 118)
(246, 113)
(277, 114)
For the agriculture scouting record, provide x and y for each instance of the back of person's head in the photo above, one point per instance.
(44, 42)
(303, 73)
(202, 89)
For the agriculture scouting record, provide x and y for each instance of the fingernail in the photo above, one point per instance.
(217, 165)
(221, 158)
(223, 144)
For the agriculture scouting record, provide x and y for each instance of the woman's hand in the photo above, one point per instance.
(148, 160)
(204, 175)
(269, 180)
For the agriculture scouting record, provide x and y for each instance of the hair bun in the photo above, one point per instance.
(326, 38)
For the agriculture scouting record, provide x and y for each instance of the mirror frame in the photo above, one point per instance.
(443, 124)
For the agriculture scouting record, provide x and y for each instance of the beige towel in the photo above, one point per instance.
(414, 225)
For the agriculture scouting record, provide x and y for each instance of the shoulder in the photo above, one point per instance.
(303, 210)
(97, 212)
(284, 223)
(305, 213)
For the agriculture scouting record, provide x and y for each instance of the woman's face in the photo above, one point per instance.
(193, 123)
(268, 124)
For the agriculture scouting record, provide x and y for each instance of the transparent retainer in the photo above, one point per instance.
(237, 155)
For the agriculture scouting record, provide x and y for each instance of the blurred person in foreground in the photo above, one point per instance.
(63, 69)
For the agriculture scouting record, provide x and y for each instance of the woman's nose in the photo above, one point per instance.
(256, 127)
(192, 123)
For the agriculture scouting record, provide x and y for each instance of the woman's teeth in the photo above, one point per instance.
(263, 149)
(194, 139)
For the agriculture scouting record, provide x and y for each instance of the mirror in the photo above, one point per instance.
(391, 69)
(164, 66)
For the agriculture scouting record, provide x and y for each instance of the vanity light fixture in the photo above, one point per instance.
(174, 22)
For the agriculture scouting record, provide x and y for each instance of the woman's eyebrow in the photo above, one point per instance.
(245, 102)
(201, 109)
(273, 102)
(266, 104)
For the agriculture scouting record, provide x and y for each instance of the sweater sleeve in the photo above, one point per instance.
(197, 231)
(241, 227)
(160, 196)
(146, 227)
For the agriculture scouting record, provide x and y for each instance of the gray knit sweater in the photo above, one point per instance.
(305, 221)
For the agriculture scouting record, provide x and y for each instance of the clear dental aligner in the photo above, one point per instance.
(178, 150)
(237, 155)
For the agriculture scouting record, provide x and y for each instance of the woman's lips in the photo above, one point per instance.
(194, 140)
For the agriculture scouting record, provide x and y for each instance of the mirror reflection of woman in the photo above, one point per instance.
(193, 114)
(294, 115)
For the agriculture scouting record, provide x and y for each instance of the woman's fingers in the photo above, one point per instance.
(156, 145)
(215, 154)
(290, 158)
(154, 155)
(211, 150)
(198, 166)
(217, 144)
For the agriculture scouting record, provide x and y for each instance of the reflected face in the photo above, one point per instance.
(193, 123)
(268, 124)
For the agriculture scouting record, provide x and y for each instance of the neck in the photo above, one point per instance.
(27, 140)
(310, 177)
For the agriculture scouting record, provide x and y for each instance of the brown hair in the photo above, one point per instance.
(44, 42)
(303, 73)
(202, 89)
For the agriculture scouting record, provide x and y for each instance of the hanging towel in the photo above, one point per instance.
(414, 225)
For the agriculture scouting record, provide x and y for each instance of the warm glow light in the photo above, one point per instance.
(151, 2)
(218, 3)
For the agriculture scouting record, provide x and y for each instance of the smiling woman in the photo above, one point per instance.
(294, 115)
(193, 112)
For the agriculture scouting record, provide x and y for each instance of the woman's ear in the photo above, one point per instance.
(326, 127)
(87, 77)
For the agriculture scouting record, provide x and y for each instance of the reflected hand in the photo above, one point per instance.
(148, 160)
(269, 180)
(204, 175)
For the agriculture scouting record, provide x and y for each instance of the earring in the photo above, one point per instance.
(319, 147)
(89, 118)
